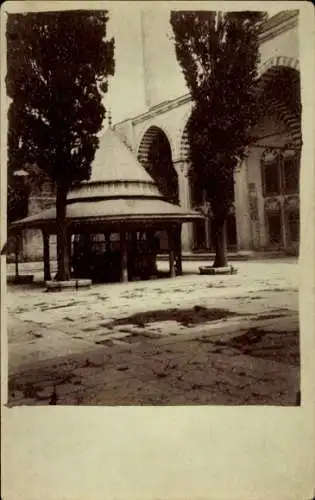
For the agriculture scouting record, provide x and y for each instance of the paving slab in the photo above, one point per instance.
(51, 335)
(143, 374)
(51, 345)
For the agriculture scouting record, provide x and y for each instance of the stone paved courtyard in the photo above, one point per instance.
(189, 340)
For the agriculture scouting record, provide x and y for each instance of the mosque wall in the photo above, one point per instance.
(168, 112)
(32, 241)
(279, 48)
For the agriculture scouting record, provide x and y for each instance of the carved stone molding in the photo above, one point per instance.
(291, 202)
(232, 209)
(182, 167)
(164, 107)
(272, 204)
(205, 209)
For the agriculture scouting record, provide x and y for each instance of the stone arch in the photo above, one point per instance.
(182, 137)
(278, 130)
(279, 89)
(148, 135)
(289, 119)
(277, 61)
(196, 193)
(184, 143)
(156, 155)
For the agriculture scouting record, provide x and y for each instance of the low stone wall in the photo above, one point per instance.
(32, 247)
(31, 268)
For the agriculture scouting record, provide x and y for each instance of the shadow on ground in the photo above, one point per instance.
(254, 368)
(186, 317)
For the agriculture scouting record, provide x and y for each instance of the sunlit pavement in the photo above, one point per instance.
(68, 347)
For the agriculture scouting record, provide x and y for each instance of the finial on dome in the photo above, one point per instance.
(109, 118)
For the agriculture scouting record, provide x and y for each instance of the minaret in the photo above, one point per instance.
(163, 79)
(146, 58)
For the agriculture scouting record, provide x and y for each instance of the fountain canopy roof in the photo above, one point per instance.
(119, 190)
(115, 173)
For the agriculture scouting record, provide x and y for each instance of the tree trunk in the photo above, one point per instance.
(17, 252)
(171, 252)
(63, 272)
(47, 276)
(178, 259)
(219, 225)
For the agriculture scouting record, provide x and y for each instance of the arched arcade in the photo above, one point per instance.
(267, 183)
(155, 154)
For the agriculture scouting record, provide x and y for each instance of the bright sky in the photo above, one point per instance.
(126, 89)
(126, 95)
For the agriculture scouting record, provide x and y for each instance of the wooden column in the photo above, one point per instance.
(179, 267)
(124, 257)
(209, 221)
(207, 233)
(47, 275)
(17, 251)
(283, 225)
(107, 241)
(69, 249)
(171, 253)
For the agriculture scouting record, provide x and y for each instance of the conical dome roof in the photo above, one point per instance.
(115, 173)
(119, 190)
(114, 161)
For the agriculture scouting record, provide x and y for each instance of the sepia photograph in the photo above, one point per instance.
(153, 208)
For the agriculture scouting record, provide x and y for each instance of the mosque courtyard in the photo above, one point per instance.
(221, 340)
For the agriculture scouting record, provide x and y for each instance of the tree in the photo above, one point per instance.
(17, 198)
(58, 68)
(219, 54)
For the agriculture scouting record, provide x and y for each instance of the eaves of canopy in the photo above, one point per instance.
(119, 192)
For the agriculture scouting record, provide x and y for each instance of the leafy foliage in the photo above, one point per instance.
(58, 64)
(58, 69)
(17, 201)
(219, 54)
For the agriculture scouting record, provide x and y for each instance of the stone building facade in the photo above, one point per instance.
(42, 196)
(265, 215)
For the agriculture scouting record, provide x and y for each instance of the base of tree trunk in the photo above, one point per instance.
(54, 285)
(220, 264)
(62, 277)
(210, 270)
